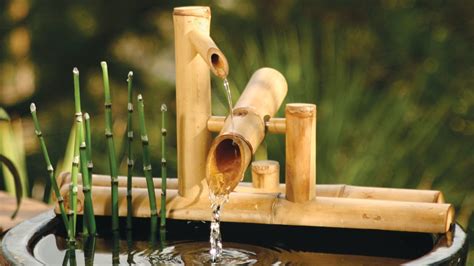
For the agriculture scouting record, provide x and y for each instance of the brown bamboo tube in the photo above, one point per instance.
(266, 175)
(193, 93)
(231, 151)
(324, 190)
(274, 125)
(300, 145)
(273, 208)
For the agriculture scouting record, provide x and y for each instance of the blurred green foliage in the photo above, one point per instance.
(393, 79)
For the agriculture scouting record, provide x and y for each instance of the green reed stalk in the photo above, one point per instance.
(49, 166)
(110, 147)
(88, 213)
(73, 186)
(147, 166)
(163, 166)
(87, 127)
(130, 155)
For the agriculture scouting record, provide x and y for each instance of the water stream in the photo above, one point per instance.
(229, 102)
(215, 238)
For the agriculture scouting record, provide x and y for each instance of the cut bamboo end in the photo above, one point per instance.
(193, 11)
(266, 176)
(209, 51)
(269, 208)
(300, 145)
(226, 162)
(228, 158)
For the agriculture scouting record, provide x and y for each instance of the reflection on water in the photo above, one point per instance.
(246, 244)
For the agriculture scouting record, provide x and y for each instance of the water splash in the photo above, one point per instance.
(215, 238)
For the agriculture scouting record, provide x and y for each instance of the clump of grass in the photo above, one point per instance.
(110, 147)
(130, 162)
(49, 166)
(147, 166)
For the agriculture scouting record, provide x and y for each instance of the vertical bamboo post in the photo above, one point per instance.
(193, 92)
(266, 175)
(300, 152)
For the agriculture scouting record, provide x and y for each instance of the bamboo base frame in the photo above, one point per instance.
(324, 190)
(273, 208)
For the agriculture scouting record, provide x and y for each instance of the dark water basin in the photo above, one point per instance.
(41, 240)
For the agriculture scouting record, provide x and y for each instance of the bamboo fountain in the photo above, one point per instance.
(205, 164)
(216, 166)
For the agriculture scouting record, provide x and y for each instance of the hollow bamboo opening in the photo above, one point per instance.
(243, 132)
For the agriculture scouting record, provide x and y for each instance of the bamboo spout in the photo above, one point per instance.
(209, 51)
(196, 54)
(232, 150)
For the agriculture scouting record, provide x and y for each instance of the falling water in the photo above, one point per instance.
(229, 101)
(217, 202)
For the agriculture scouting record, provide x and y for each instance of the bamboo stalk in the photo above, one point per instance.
(231, 151)
(130, 161)
(193, 92)
(49, 166)
(89, 226)
(110, 146)
(274, 125)
(300, 139)
(273, 208)
(164, 109)
(266, 175)
(147, 166)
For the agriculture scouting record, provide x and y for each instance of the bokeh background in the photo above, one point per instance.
(393, 81)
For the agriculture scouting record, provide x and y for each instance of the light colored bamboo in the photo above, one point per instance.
(300, 139)
(232, 150)
(275, 125)
(193, 93)
(209, 51)
(273, 208)
(324, 190)
(266, 175)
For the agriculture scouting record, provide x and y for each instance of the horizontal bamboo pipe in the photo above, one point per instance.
(324, 190)
(275, 125)
(273, 208)
(231, 151)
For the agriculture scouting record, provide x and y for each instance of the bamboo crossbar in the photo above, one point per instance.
(273, 208)
(274, 125)
(323, 190)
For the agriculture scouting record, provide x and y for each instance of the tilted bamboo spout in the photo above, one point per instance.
(232, 150)
(196, 54)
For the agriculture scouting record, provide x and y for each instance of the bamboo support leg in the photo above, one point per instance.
(300, 152)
